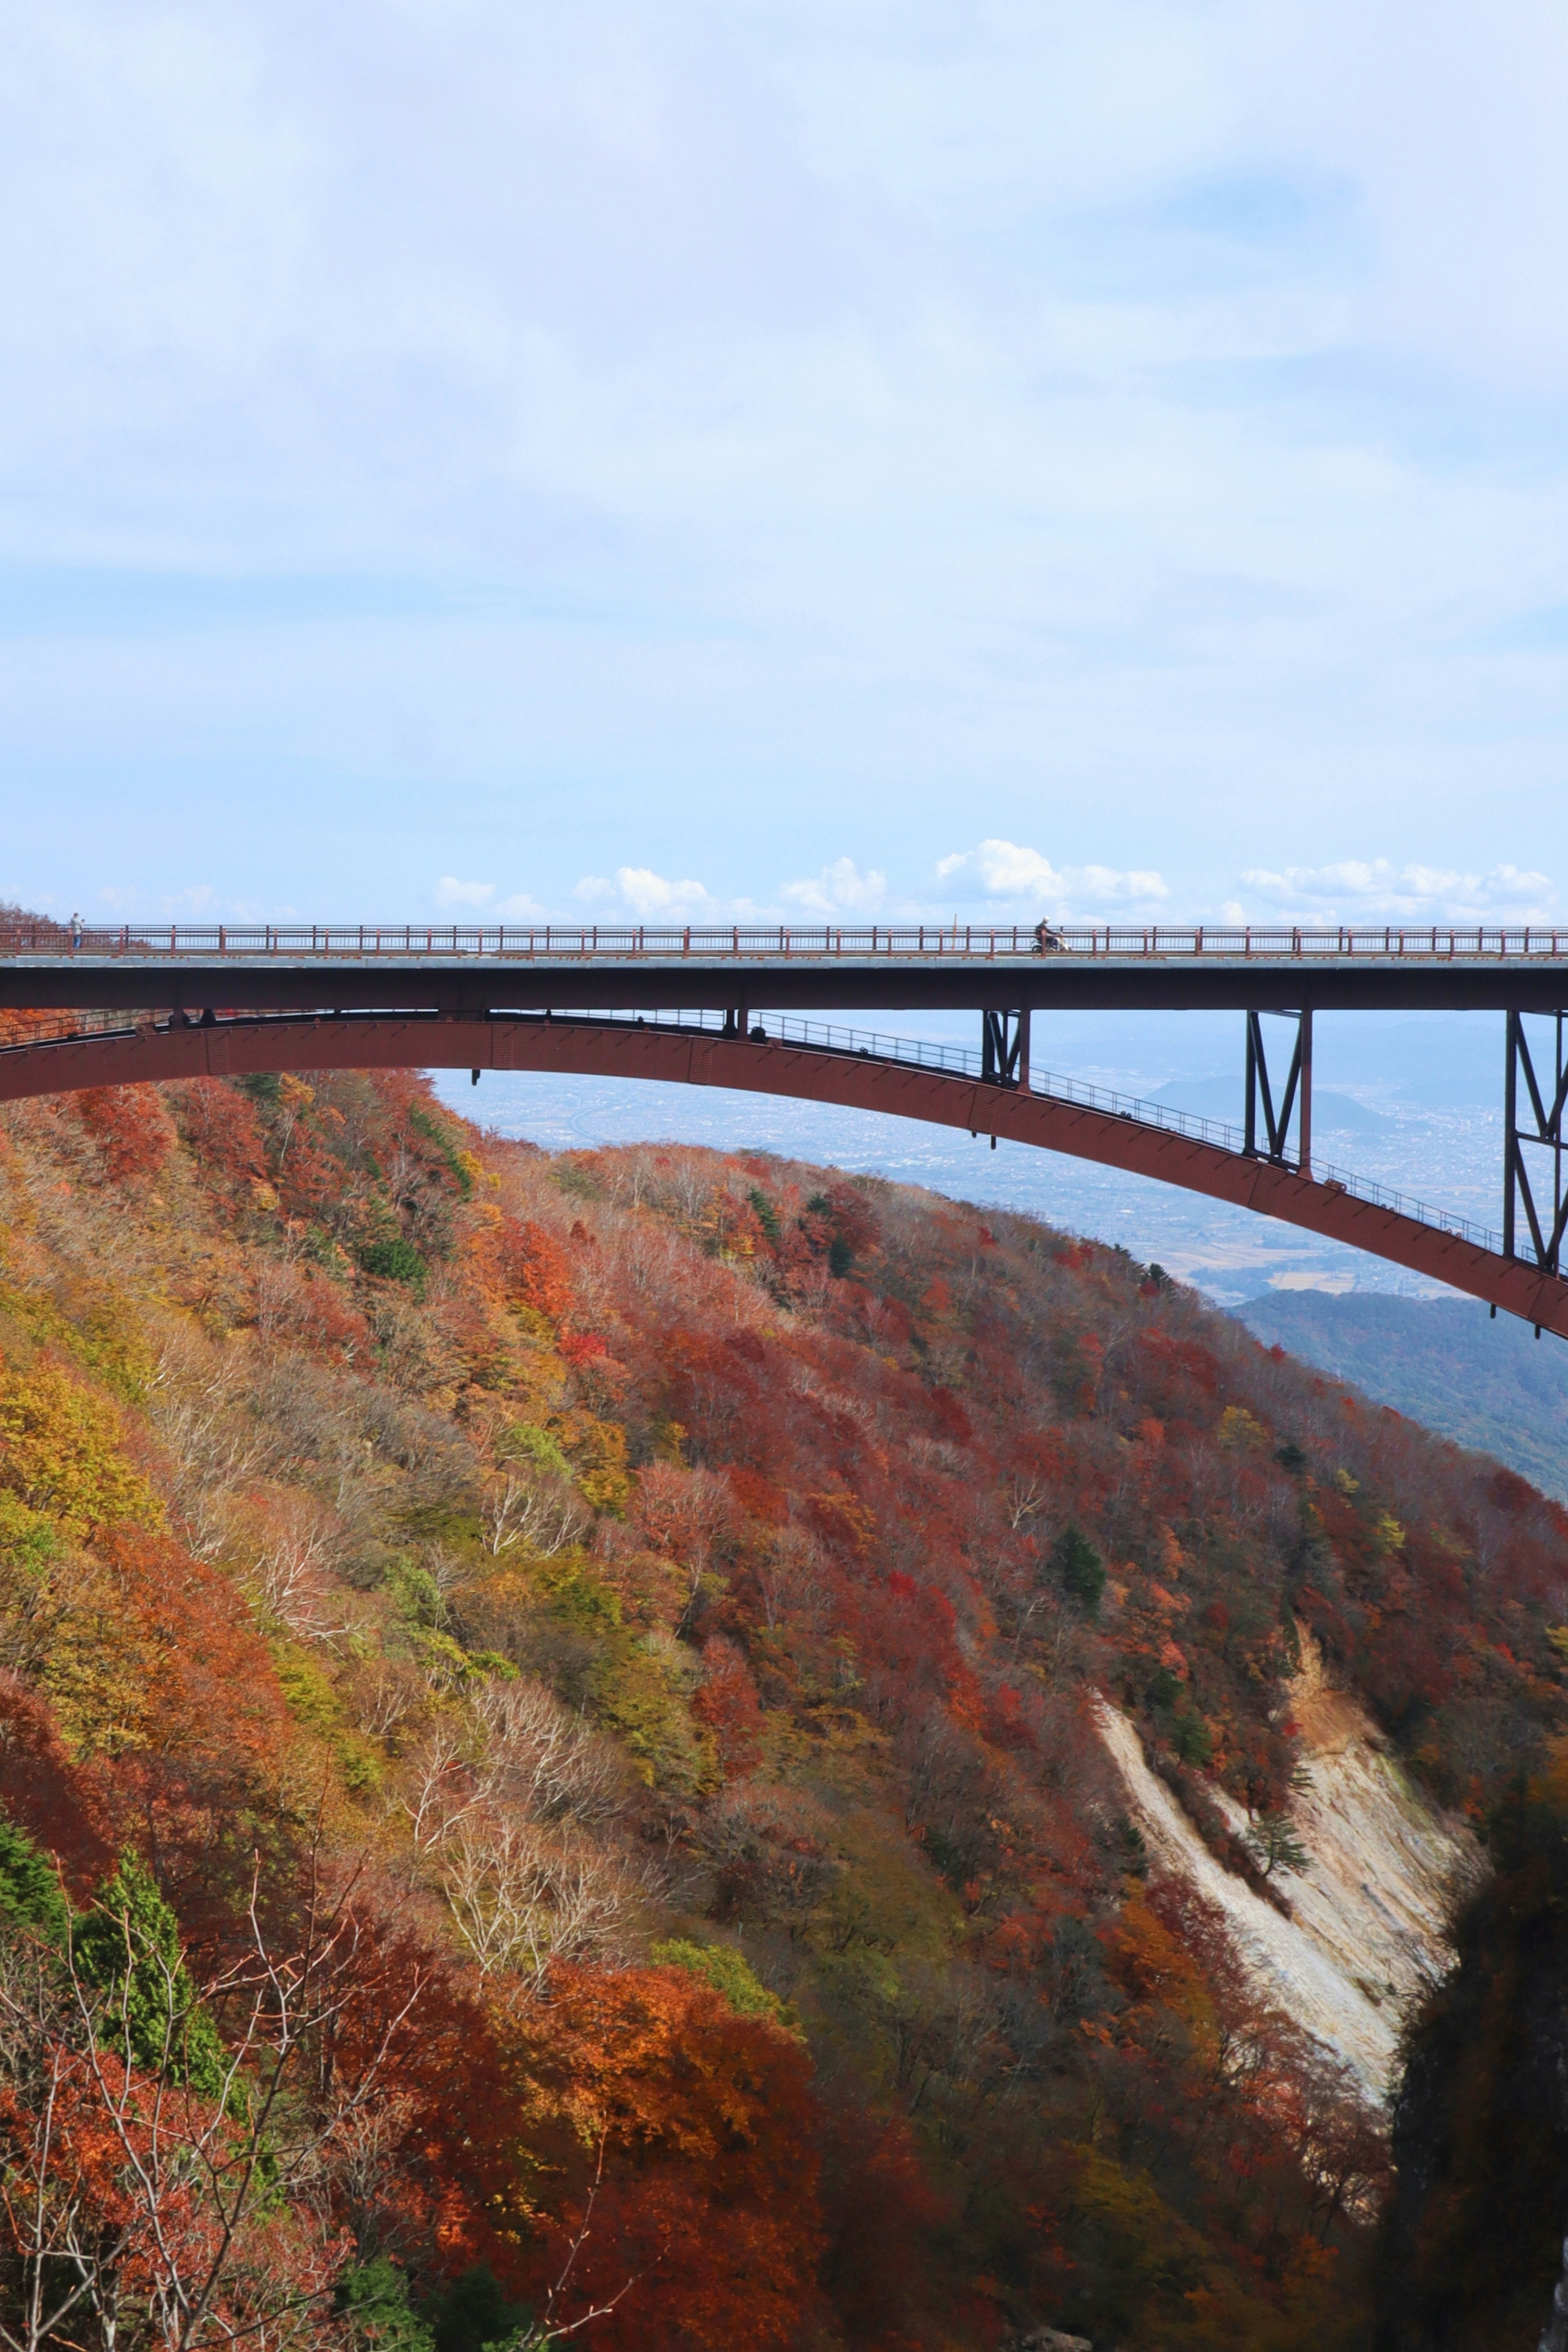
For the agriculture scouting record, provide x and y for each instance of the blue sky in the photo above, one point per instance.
(459, 455)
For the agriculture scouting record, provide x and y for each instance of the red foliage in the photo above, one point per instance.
(882, 2217)
(758, 1496)
(302, 1303)
(131, 1127)
(220, 1126)
(444, 2188)
(852, 1218)
(55, 1801)
(728, 1704)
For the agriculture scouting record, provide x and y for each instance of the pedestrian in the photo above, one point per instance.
(75, 933)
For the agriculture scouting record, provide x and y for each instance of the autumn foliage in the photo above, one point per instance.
(648, 1603)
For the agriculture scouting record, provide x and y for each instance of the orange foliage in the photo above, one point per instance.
(706, 2222)
(536, 1269)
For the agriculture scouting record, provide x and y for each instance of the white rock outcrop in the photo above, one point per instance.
(1371, 1909)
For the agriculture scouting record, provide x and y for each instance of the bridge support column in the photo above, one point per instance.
(1543, 1131)
(1005, 1049)
(1304, 1113)
(1298, 1092)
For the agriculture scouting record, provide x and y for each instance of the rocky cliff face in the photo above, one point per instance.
(1367, 1936)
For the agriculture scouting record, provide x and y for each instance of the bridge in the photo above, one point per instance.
(89, 1006)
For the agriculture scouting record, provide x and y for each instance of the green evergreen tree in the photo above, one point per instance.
(373, 2298)
(30, 1894)
(1080, 1567)
(1274, 1845)
(127, 1948)
(472, 2314)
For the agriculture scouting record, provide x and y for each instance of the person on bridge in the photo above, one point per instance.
(75, 933)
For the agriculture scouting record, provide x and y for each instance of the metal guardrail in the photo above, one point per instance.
(787, 943)
(18, 1033)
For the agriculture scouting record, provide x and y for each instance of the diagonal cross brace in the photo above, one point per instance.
(1546, 1229)
(1260, 1093)
(1005, 1049)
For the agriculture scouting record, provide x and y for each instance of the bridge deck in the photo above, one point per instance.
(480, 967)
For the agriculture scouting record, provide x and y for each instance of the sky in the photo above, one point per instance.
(1083, 456)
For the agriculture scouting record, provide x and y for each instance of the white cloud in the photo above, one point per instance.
(450, 892)
(785, 407)
(648, 895)
(1004, 869)
(839, 889)
(1366, 889)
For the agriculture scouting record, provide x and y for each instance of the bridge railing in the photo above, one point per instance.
(773, 943)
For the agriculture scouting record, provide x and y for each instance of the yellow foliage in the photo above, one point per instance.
(1149, 1963)
(63, 1625)
(1238, 1430)
(597, 1452)
(61, 1452)
(101, 1665)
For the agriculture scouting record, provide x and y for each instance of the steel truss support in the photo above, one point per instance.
(1005, 1049)
(1546, 1220)
(1296, 1097)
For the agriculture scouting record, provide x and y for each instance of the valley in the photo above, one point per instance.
(824, 1768)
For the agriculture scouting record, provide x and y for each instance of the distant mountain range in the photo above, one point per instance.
(1225, 1098)
(1492, 1386)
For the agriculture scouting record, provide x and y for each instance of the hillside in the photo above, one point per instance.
(553, 1757)
(1445, 1363)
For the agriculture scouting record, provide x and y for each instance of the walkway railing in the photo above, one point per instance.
(789, 943)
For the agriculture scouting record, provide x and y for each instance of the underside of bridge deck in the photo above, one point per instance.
(478, 984)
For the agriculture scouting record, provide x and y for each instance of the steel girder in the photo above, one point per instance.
(1270, 1187)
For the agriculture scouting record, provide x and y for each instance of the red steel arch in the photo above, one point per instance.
(622, 1050)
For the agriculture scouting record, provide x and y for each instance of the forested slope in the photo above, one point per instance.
(1486, 1382)
(559, 1693)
